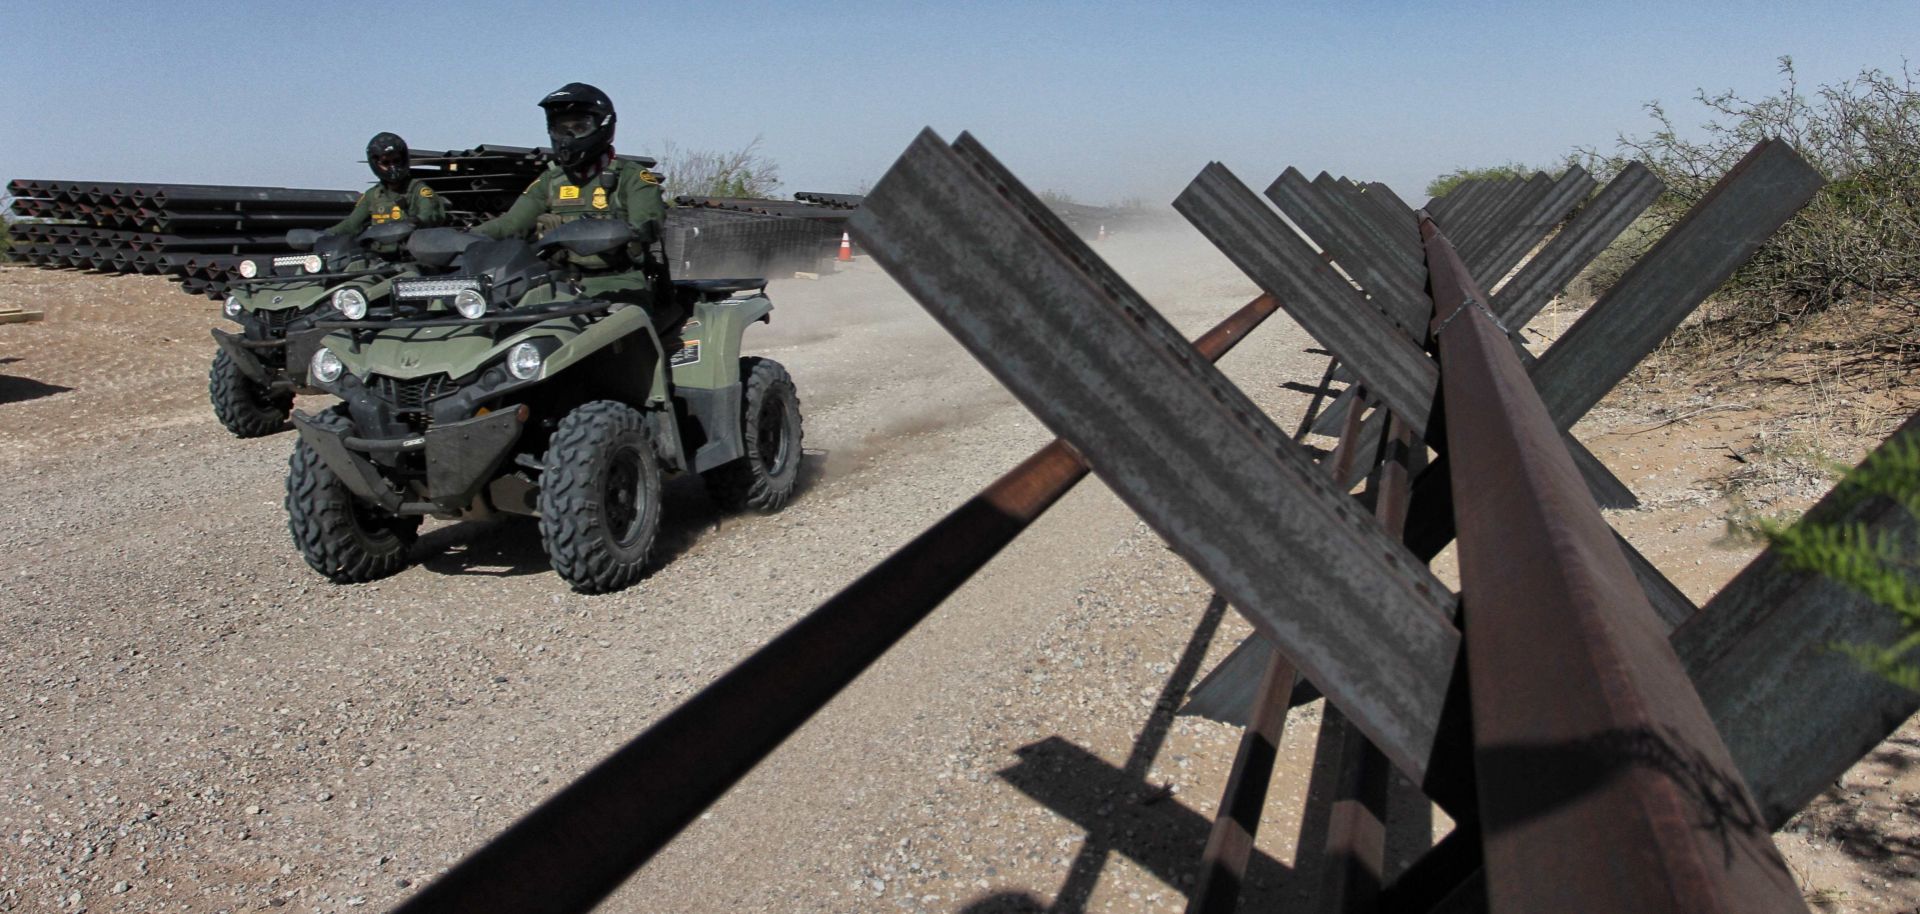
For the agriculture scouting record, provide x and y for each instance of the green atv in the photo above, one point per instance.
(511, 385)
(277, 302)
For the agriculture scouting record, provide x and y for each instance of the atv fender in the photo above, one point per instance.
(709, 353)
(243, 357)
(359, 475)
(621, 324)
(706, 374)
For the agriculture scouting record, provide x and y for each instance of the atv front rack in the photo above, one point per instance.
(304, 278)
(515, 316)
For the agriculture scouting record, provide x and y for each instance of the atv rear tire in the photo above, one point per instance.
(600, 497)
(339, 535)
(765, 478)
(245, 407)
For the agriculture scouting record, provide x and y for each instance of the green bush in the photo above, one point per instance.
(1879, 565)
(1856, 243)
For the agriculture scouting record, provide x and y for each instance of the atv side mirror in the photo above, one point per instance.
(387, 233)
(302, 239)
(436, 247)
(586, 237)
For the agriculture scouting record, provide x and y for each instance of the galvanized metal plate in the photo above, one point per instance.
(1171, 436)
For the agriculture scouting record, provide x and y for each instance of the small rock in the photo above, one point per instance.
(120, 888)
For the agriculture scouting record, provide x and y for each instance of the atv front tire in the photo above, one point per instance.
(245, 407)
(339, 535)
(600, 497)
(765, 478)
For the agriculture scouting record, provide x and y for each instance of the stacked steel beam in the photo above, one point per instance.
(732, 236)
(193, 233)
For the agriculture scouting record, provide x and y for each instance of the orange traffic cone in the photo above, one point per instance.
(846, 247)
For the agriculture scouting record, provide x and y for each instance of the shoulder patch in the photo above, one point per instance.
(649, 177)
(530, 187)
(426, 191)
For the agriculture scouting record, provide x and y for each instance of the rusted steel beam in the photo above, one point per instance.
(1176, 441)
(1794, 714)
(1355, 864)
(1722, 231)
(1603, 784)
(1393, 367)
(1223, 865)
(575, 848)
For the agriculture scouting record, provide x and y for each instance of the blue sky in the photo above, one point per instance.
(1098, 100)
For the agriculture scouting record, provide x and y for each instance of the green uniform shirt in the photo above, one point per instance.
(378, 206)
(624, 190)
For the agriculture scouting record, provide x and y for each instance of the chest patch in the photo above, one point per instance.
(599, 198)
(569, 192)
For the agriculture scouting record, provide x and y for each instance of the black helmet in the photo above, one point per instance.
(387, 156)
(580, 124)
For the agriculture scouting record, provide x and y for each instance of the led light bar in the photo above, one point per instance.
(433, 288)
(307, 262)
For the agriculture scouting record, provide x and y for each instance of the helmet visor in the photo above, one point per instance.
(570, 124)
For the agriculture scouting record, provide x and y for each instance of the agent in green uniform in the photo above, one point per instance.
(585, 181)
(396, 196)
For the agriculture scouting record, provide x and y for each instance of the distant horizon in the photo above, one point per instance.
(1100, 103)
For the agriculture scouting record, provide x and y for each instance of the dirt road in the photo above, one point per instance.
(191, 720)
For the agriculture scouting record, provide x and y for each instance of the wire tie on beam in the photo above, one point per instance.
(1472, 302)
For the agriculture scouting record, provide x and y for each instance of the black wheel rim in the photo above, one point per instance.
(770, 435)
(623, 499)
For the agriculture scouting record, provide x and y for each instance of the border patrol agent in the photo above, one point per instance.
(585, 181)
(397, 195)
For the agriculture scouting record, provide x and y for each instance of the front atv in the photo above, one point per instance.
(513, 386)
(276, 302)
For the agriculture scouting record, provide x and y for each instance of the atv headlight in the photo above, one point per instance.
(523, 361)
(232, 307)
(249, 269)
(326, 366)
(351, 303)
(470, 303)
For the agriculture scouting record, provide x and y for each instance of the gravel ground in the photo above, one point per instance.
(191, 720)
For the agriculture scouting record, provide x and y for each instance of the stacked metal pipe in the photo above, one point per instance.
(193, 233)
(197, 233)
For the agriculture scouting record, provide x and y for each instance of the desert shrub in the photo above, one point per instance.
(1445, 184)
(743, 172)
(1856, 243)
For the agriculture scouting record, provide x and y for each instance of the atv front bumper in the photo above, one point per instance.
(245, 353)
(461, 457)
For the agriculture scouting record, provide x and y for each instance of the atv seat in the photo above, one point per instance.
(714, 288)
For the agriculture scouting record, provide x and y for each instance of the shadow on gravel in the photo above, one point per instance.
(506, 547)
(15, 389)
(510, 546)
(1123, 811)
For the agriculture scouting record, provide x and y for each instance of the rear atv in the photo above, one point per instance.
(508, 385)
(276, 302)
